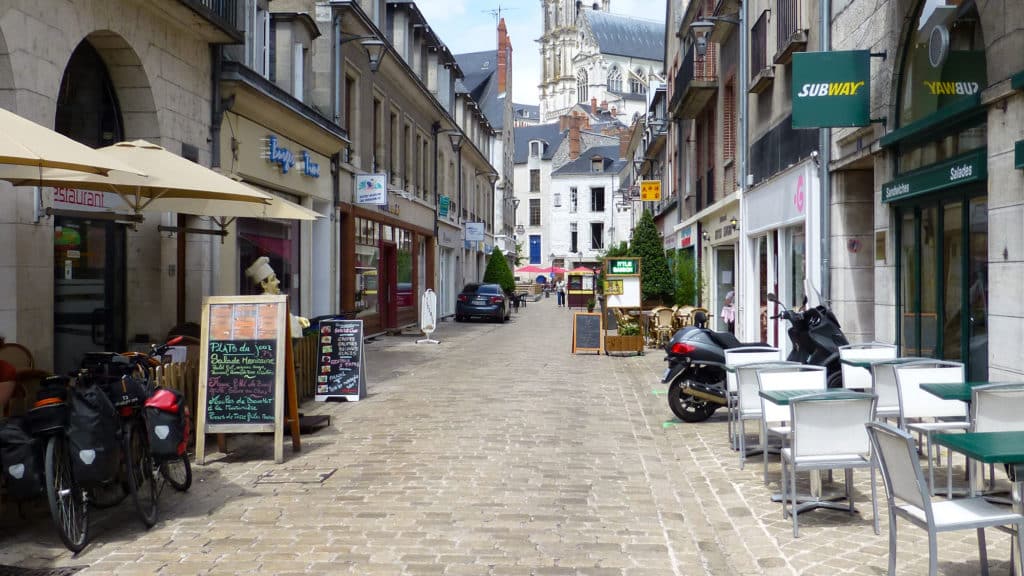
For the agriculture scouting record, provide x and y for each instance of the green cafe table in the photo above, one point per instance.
(815, 499)
(953, 390)
(993, 448)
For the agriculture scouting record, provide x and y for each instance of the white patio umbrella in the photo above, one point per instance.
(167, 176)
(26, 147)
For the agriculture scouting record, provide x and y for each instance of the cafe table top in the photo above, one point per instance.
(782, 397)
(952, 390)
(872, 362)
(989, 447)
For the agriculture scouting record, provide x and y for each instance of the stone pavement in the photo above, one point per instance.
(497, 452)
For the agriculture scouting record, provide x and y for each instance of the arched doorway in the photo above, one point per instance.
(89, 252)
(939, 196)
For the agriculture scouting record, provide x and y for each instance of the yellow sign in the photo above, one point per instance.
(650, 190)
(613, 287)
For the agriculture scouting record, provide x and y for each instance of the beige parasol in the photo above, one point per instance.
(168, 176)
(23, 143)
(223, 211)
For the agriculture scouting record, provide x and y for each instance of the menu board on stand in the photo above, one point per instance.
(245, 368)
(340, 374)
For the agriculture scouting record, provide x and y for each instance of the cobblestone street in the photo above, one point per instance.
(497, 452)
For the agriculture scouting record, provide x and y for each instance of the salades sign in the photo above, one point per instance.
(961, 170)
(831, 89)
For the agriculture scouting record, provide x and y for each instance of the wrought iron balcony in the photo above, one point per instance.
(790, 33)
(695, 83)
(222, 15)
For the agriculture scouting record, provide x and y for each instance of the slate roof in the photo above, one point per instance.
(625, 36)
(612, 163)
(480, 81)
(528, 111)
(547, 132)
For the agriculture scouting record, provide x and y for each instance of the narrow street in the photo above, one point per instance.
(497, 452)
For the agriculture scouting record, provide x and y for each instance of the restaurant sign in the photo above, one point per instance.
(831, 89)
(275, 153)
(623, 266)
(970, 167)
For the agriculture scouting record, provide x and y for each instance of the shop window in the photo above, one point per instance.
(278, 240)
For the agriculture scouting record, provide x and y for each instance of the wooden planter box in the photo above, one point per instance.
(616, 343)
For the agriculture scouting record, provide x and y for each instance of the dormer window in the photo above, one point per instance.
(597, 164)
(536, 147)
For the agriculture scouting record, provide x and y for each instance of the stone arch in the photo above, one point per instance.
(132, 87)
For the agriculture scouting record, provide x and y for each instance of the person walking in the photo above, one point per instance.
(561, 291)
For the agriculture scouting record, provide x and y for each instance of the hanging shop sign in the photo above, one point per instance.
(446, 202)
(372, 189)
(970, 167)
(650, 190)
(474, 231)
(831, 89)
(1018, 154)
(687, 237)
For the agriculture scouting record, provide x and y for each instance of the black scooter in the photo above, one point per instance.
(696, 358)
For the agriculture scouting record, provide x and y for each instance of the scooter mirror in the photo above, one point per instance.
(771, 297)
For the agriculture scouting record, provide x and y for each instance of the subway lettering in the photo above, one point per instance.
(830, 89)
(952, 88)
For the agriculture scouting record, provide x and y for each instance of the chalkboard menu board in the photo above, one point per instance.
(587, 332)
(339, 371)
(242, 368)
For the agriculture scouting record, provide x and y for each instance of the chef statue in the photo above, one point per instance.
(261, 273)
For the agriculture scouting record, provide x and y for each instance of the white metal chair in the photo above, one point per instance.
(828, 433)
(737, 357)
(996, 407)
(931, 413)
(800, 377)
(908, 497)
(859, 378)
(883, 385)
(748, 403)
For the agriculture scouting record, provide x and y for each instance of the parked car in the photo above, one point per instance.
(482, 300)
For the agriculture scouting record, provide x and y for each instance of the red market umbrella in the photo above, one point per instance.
(555, 270)
(530, 268)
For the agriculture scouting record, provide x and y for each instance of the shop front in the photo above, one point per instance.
(449, 272)
(295, 167)
(385, 255)
(938, 198)
(778, 253)
(720, 235)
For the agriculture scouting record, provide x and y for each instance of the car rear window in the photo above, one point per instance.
(490, 289)
(470, 288)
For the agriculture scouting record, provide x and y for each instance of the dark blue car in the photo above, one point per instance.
(483, 301)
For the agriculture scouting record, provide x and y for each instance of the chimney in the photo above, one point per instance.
(604, 104)
(625, 136)
(593, 105)
(614, 112)
(574, 138)
(563, 122)
(504, 55)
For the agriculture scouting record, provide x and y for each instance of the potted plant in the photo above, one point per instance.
(590, 305)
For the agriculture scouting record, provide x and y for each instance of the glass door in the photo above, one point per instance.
(725, 260)
(89, 290)
(977, 289)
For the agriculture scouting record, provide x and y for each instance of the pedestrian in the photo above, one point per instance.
(561, 291)
(729, 311)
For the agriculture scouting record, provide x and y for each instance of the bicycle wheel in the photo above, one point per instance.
(141, 479)
(68, 508)
(177, 472)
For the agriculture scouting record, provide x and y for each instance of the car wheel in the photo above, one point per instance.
(458, 318)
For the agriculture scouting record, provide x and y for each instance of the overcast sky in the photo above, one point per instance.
(470, 26)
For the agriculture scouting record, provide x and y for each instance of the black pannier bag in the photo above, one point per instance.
(49, 413)
(113, 372)
(92, 436)
(21, 459)
(167, 423)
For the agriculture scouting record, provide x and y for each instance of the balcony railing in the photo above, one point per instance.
(695, 83)
(790, 35)
(223, 14)
(761, 75)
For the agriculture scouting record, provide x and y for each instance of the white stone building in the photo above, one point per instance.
(589, 55)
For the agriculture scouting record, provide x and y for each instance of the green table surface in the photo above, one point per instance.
(782, 397)
(952, 390)
(989, 447)
(870, 363)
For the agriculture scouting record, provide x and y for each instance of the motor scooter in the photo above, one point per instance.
(696, 358)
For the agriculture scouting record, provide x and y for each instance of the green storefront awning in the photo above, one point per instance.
(1017, 80)
(940, 121)
(970, 167)
(1018, 154)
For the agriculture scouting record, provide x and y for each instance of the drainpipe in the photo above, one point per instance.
(336, 53)
(825, 158)
(741, 152)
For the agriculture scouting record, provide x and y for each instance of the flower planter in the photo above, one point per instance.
(616, 343)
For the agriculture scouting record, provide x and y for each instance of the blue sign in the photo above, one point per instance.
(281, 156)
(309, 168)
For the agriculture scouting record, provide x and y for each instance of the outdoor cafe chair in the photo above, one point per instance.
(883, 385)
(924, 413)
(828, 433)
(748, 402)
(775, 418)
(995, 408)
(735, 357)
(908, 497)
(856, 377)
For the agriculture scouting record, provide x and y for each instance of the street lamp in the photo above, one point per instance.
(375, 47)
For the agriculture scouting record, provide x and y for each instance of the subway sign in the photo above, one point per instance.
(831, 89)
